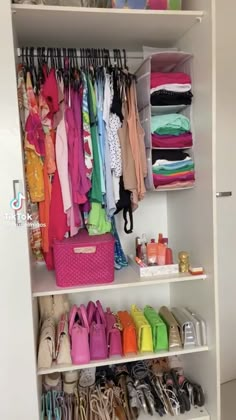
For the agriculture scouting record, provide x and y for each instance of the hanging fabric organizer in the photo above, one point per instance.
(85, 157)
(164, 93)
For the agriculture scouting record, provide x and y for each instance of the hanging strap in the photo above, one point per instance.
(126, 212)
(101, 312)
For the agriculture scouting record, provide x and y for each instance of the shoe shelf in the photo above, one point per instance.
(121, 360)
(196, 413)
(44, 282)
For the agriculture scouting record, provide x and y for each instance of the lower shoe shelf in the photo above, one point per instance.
(197, 413)
(120, 360)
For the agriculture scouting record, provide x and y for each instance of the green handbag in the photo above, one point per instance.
(159, 330)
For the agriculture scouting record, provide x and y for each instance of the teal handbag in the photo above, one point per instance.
(159, 330)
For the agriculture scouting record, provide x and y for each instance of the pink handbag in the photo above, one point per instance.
(79, 332)
(113, 335)
(97, 324)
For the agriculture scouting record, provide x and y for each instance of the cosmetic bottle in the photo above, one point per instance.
(144, 239)
(138, 247)
(143, 250)
(161, 253)
(152, 252)
(169, 256)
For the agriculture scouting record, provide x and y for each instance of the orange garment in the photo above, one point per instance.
(34, 175)
(33, 162)
(136, 136)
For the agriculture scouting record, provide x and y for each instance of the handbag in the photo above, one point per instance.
(187, 329)
(159, 330)
(53, 306)
(145, 343)
(97, 329)
(173, 328)
(46, 350)
(79, 332)
(113, 335)
(129, 336)
(63, 356)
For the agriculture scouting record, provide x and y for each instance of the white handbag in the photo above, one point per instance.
(46, 350)
(53, 306)
(63, 356)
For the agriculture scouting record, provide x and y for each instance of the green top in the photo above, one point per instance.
(170, 124)
(172, 171)
(96, 191)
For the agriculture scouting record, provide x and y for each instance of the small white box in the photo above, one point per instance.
(155, 270)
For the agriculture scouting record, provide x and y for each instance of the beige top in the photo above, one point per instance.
(136, 136)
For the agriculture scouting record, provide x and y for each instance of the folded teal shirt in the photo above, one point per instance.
(173, 124)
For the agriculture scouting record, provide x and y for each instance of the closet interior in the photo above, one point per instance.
(185, 215)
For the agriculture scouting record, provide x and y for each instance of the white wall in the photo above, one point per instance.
(191, 214)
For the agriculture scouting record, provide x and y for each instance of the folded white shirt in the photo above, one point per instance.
(173, 87)
(161, 162)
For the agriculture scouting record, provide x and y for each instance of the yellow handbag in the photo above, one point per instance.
(144, 331)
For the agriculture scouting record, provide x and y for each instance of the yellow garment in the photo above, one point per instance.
(34, 175)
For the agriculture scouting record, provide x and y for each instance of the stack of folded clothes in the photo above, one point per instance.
(172, 169)
(171, 131)
(171, 89)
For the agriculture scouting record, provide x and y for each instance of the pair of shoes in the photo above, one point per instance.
(54, 346)
(78, 379)
(69, 381)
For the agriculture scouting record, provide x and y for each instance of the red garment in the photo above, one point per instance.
(50, 92)
(78, 195)
(35, 134)
(158, 79)
(57, 220)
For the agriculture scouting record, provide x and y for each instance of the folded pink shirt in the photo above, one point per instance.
(170, 142)
(159, 79)
(183, 184)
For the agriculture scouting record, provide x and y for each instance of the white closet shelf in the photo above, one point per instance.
(57, 26)
(44, 282)
(173, 189)
(120, 360)
(197, 413)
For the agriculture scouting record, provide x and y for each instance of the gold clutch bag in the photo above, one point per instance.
(173, 329)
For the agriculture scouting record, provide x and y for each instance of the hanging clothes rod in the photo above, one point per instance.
(35, 54)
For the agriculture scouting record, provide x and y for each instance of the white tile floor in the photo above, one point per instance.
(228, 401)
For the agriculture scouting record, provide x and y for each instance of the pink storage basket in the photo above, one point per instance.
(84, 260)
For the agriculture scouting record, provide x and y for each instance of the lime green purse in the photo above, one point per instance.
(159, 330)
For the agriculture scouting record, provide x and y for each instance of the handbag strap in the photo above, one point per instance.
(101, 312)
(91, 308)
(73, 313)
(83, 315)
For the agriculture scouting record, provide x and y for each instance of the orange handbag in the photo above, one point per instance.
(129, 336)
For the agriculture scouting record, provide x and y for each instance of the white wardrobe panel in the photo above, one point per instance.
(226, 182)
(17, 357)
(191, 215)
